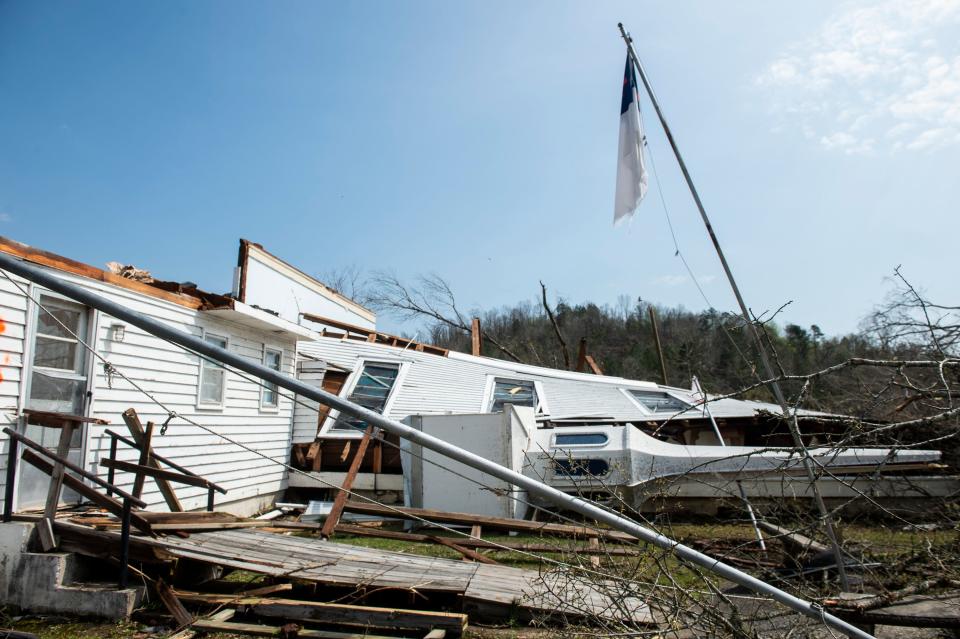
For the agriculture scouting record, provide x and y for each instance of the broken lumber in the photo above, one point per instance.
(497, 523)
(331, 522)
(344, 614)
(257, 630)
(139, 436)
(795, 540)
(366, 531)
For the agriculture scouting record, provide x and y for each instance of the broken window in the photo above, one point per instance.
(659, 401)
(270, 397)
(581, 467)
(372, 391)
(519, 392)
(213, 375)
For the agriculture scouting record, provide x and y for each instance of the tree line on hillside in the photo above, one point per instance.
(859, 374)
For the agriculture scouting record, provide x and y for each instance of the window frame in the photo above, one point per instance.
(89, 323)
(356, 373)
(264, 406)
(206, 405)
(639, 404)
(556, 444)
(487, 403)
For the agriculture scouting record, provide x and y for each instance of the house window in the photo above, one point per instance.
(213, 375)
(372, 390)
(580, 439)
(519, 392)
(581, 467)
(659, 401)
(58, 380)
(270, 397)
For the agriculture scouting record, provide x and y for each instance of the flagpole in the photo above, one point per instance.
(791, 419)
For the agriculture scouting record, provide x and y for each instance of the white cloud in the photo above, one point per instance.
(880, 76)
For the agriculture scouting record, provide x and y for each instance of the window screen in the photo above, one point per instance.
(519, 392)
(371, 391)
(659, 402)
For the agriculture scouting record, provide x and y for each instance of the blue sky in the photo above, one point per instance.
(478, 141)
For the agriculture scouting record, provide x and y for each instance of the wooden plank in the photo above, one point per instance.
(594, 367)
(137, 432)
(795, 540)
(334, 517)
(476, 339)
(172, 604)
(466, 552)
(257, 630)
(335, 613)
(222, 615)
(71, 482)
(497, 523)
(56, 420)
(47, 540)
(145, 446)
(143, 471)
(263, 591)
(364, 531)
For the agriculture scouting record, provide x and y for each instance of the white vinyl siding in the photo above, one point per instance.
(172, 376)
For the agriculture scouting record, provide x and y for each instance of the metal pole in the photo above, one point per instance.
(110, 471)
(586, 508)
(124, 543)
(743, 493)
(808, 463)
(210, 499)
(12, 446)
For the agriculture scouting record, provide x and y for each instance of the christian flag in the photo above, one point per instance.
(631, 173)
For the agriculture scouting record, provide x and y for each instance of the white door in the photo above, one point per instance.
(57, 383)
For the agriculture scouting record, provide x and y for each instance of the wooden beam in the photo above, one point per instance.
(138, 434)
(656, 340)
(56, 420)
(107, 503)
(143, 471)
(144, 458)
(466, 552)
(368, 616)
(257, 630)
(496, 523)
(172, 604)
(45, 530)
(476, 337)
(582, 355)
(263, 591)
(366, 531)
(223, 615)
(594, 367)
(334, 517)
